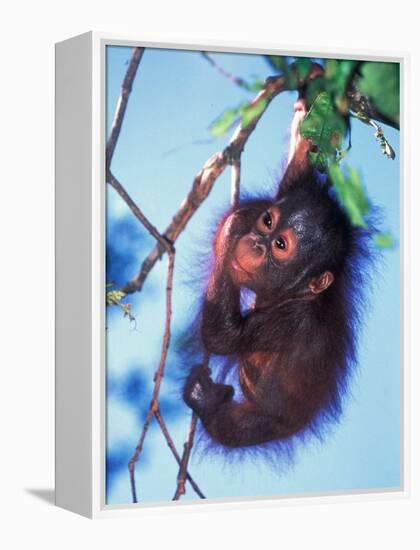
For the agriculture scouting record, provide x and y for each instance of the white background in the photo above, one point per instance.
(28, 32)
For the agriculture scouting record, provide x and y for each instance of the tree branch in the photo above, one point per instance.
(235, 79)
(182, 475)
(183, 472)
(112, 180)
(167, 246)
(154, 404)
(201, 187)
(126, 88)
(171, 445)
(235, 184)
(204, 181)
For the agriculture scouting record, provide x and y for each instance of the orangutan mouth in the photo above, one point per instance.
(243, 273)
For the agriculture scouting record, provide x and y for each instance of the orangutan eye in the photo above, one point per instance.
(267, 220)
(280, 243)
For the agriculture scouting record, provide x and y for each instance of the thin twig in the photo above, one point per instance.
(235, 79)
(171, 445)
(183, 467)
(182, 474)
(166, 245)
(204, 181)
(202, 186)
(126, 88)
(154, 404)
(112, 180)
(200, 190)
(139, 448)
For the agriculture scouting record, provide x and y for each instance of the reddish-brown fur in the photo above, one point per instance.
(303, 259)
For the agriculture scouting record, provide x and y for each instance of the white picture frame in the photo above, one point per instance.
(80, 275)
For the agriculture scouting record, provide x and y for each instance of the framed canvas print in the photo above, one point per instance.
(229, 274)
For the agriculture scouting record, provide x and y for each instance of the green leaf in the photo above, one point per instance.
(313, 89)
(325, 127)
(256, 86)
(247, 112)
(352, 196)
(383, 240)
(114, 297)
(337, 74)
(303, 67)
(351, 193)
(282, 65)
(226, 120)
(278, 62)
(381, 83)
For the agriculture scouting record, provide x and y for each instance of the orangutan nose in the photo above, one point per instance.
(250, 253)
(256, 246)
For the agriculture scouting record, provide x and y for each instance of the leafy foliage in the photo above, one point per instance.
(295, 70)
(337, 76)
(282, 65)
(362, 90)
(114, 297)
(303, 67)
(349, 189)
(325, 127)
(352, 195)
(381, 83)
(246, 112)
(383, 240)
(226, 120)
(278, 63)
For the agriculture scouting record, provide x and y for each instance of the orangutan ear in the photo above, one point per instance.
(321, 283)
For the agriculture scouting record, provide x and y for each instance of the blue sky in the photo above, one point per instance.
(164, 142)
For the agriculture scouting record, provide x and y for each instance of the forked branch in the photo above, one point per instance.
(182, 474)
(204, 181)
(201, 187)
(153, 410)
